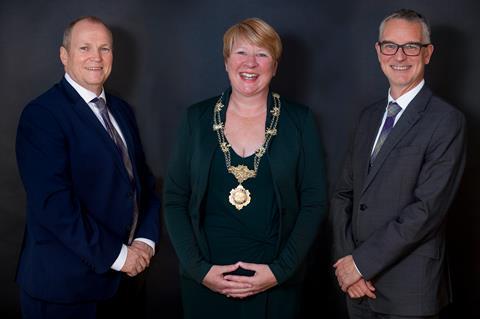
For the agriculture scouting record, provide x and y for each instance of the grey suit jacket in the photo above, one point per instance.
(391, 216)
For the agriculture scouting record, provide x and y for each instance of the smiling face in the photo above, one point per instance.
(250, 68)
(403, 72)
(88, 57)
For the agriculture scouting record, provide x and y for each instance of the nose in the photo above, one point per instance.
(96, 55)
(400, 55)
(251, 61)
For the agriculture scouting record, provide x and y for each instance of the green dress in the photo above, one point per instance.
(249, 234)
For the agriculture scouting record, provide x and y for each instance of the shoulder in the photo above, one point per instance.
(444, 116)
(295, 112)
(200, 110)
(47, 103)
(442, 107)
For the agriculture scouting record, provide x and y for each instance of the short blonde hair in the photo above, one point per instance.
(257, 32)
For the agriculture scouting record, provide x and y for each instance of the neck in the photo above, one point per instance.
(97, 90)
(397, 92)
(248, 106)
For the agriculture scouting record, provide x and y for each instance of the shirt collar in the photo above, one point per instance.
(406, 98)
(85, 94)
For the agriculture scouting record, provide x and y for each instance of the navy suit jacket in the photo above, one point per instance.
(391, 217)
(79, 197)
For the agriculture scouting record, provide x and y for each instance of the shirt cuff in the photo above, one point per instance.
(356, 267)
(147, 241)
(120, 261)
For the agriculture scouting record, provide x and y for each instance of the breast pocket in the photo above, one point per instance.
(407, 151)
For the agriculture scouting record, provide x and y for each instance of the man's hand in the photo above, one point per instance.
(262, 280)
(346, 272)
(216, 281)
(137, 260)
(361, 288)
(143, 246)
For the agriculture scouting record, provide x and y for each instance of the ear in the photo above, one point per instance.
(377, 48)
(428, 54)
(275, 67)
(63, 55)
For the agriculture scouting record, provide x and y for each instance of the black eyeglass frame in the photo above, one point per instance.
(421, 45)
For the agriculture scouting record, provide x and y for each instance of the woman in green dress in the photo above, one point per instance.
(245, 190)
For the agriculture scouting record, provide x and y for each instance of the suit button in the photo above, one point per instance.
(129, 194)
(363, 207)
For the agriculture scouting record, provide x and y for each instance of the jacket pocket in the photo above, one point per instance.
(428, 249)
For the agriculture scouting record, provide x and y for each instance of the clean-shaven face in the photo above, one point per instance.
(250, 68)
(403, 72)
(88, 59)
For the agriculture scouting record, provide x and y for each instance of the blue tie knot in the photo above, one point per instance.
(392, 109)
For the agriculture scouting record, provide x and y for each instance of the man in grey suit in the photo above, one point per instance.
(400, 176)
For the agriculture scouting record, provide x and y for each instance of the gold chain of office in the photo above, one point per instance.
(239, 196)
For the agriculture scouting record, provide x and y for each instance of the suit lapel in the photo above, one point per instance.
(371, 131)
(209, 143)
(408, 119)
(85, 113)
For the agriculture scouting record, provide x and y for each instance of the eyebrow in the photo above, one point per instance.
(412, 41)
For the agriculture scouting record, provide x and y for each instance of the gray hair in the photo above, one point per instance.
(411, 16)
(67, 33)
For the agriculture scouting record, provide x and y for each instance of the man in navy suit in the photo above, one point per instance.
(400, 176)
(92, 213)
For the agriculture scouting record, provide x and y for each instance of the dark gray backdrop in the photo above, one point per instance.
(168, 55)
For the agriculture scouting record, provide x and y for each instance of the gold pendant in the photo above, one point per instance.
(241, 173)
(239, 197)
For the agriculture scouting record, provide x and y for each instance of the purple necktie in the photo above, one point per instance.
(392, 110)
(122, 149)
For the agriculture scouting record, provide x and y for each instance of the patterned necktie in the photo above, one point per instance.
(122, 149)
(392, 110)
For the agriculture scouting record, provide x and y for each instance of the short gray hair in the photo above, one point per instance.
(411, 16)
(67, 33)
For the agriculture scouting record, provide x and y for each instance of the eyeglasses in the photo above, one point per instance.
(410, 49)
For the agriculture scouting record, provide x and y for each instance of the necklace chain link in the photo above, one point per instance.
(242, 172)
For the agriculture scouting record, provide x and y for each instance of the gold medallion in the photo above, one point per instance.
(239, 197)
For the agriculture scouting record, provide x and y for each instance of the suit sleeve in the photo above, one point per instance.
(43, 162)
(436, 185)
(177, 197)
(311, 190)
(341, 211)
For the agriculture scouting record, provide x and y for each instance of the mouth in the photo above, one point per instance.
(248, 76)
(97, 68)
(400, 67)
